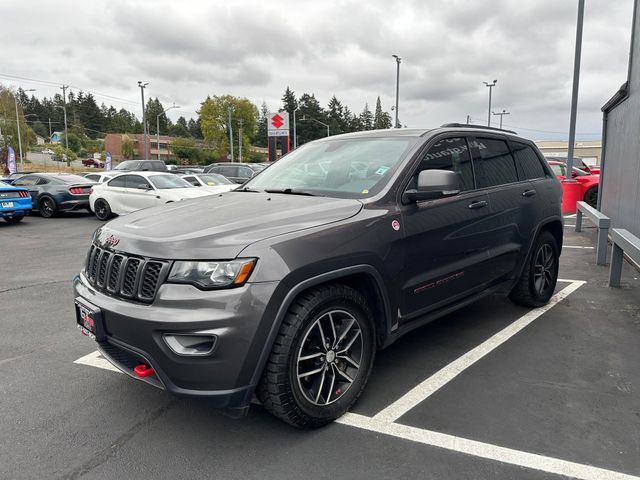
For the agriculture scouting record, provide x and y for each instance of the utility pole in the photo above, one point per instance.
(240, 124)
(398, 59)
(501, 114)
(64, 109)
(145, 131)
(230, 134)
(468, 119)
(490, 86)
(574, 93)
(50, 133)
(15, 97)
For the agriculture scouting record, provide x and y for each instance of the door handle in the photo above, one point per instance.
(528, 193)
(480, 204)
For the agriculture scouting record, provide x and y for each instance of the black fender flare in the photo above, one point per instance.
(306, 284)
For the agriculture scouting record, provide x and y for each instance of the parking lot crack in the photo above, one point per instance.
(105, 454)
(34, 285)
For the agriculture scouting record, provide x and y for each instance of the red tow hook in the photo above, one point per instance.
(142, 370)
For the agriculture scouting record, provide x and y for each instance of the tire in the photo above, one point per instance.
(14, 219)
(539, 276)
(591, 197)
(103, 209)
(47, 206)
(316, 399)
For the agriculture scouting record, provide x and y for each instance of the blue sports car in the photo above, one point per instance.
(15, 202)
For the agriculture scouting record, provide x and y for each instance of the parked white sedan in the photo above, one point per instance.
(212, 182)
(129, 192)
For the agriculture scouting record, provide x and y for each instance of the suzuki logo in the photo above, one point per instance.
(112, 240)
(276, 121)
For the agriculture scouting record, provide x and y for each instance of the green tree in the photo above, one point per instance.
(127, 147)
(8, 119)
(366, 118)
(180, 128)
(262, 130)
(335, 116)
(214, 119)
(381, 119)
(185, 148)
(307, 128)
(195, 129)
(153, 109)
(289, 102)
(75, 142)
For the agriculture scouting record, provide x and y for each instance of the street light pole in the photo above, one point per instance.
(240, 124)
(490, 85)
(304, 117)
(501, 114)
(158, 127)
(295, 134)
(230, 134)
(574, 94)
(398, 59)
(145, 132)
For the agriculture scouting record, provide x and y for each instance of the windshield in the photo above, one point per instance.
(213, 180)
(163, 182)
(70, 179)
(344, 168)
(127, 165)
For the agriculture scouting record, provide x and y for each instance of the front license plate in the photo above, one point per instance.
(7, 204)
(89, 320)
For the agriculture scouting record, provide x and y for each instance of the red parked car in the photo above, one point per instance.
(90, 162)
(588, 181)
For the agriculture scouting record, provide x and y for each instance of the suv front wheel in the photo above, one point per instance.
(538, 279)
(321, 358)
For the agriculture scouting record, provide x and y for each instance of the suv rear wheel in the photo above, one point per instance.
(538, 279)
(321, 358)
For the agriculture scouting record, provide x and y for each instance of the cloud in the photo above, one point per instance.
(188, 50)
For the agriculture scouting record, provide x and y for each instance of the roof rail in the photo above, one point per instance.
(471, 125)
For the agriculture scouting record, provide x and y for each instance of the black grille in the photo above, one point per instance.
(132, 278)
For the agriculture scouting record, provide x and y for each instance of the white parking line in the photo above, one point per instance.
(94, 359)
(483, 450)
(384, 422)
(445, 375)
(577, 246)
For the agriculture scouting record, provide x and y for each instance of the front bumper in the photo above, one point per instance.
(239, 318)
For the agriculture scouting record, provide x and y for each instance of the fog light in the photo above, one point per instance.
(190, 344)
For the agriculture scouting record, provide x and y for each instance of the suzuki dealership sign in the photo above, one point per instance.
(278, 124)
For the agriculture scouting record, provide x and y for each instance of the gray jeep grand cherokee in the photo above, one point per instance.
(287, 286)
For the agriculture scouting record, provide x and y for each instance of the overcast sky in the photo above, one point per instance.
(254, 48)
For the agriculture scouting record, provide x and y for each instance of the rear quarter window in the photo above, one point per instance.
(527, 162)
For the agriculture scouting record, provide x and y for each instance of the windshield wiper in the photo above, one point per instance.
(290, 191)
(246, 189)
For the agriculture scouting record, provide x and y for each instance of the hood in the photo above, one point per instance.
(218, 227)
(187, 192)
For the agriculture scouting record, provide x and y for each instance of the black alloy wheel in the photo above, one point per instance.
(48, 207)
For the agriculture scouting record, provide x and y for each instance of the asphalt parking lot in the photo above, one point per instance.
(493, 391)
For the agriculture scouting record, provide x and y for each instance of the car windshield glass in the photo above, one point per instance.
(213, 180)
(163, 182)
(127, 165)
(70, 179)
(344, 168)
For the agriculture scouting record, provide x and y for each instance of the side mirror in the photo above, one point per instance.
(434, 184)
(144, 186)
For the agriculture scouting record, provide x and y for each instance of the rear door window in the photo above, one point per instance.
(493, 163)
(527, 162)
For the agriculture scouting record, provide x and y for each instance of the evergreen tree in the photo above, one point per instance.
(366, 118)
(289, 102)
(307, 128)
(180, 129)
(381, 119)
(194, 128)
(335, 117)
(262, 130)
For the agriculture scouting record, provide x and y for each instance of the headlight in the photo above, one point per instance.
(207, 275)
